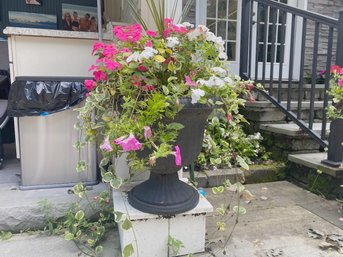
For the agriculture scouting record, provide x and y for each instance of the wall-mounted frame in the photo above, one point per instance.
(33, 2)
(79, 18)
(32, 20)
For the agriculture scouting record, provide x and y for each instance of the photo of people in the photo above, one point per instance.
(34, 2)
(79, 18)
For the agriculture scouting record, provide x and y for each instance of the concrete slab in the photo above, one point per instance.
(291, 129)
(277, 221)
(313, 160)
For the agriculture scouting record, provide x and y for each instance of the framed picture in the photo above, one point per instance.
(79, 18)
(34, 2)
(32, 20)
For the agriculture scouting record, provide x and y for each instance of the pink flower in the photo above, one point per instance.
(109, 51)
(167, 22)
(97, 46)
(93, 67)
(151, 33)
(148, 43)
(128, 144)
(250, 86)
(147, 132)
(99, 75)
(130, 33)
(340, 82)
(229, 117)
(142, 68)
(341, 72)
(148, 88)
(111, 65)
(335, 69)
(106, 146)
(90, 84)
(322, 72)
(125, 50)
(190, 82)
(167, 32)
(177, 154)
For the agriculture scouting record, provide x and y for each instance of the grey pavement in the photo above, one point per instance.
(276, 224)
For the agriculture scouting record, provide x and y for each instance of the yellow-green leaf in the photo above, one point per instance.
(159, 58)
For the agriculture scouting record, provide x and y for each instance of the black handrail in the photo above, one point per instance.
(268, 9)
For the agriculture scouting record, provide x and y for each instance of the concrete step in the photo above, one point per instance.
(265, 111)
(319, 91)
(288, 138)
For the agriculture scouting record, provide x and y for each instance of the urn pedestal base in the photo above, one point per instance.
(151, 231)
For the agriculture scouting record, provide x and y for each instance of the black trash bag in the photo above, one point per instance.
(40, 97)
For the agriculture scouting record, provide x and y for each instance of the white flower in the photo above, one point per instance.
(222, 56)
(134, 57)
(201, 29)
(228, 80)
(172, 42)
(218, 70)
(196, 95)
(202, 82)
(148, 52)
(187, 25)
(215, 82)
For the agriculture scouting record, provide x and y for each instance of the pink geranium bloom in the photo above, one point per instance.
(341, 71)
(340, 82)
(111, 65)
(125, 50)
(93, 67)
(130, 33)
(177, 154)
(167, 32)
(148, 43)
(97, 46)
(90, 84)
(109, 51)
(147, 132)
(190, 82)
(99, 75)
(335, 69)
(229, 117)
(106, 146)
(128, 144)
(151, 33)
(322, 72)
(142, 68)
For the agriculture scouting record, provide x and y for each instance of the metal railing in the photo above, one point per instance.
(275, 34)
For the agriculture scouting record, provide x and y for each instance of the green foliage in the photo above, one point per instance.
(336, 91)
(174, 245)
(226, 144)
(50, 222)
(5, 235)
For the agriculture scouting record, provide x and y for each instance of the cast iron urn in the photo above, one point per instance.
(163, 193)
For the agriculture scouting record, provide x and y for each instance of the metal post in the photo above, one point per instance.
(99, 9)
(335, 151)
(245, 27)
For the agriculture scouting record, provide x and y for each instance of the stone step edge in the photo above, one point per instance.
(269, 127)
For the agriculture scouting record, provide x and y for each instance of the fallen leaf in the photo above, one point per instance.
(263, 198)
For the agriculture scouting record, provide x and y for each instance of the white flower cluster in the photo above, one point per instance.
(172, 42)
(196, 95)
(213, 81)
(147, 53)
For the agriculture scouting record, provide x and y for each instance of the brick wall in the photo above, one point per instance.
(325, 7)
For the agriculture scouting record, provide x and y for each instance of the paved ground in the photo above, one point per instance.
(276, 224)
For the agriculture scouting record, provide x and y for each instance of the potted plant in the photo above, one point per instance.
(335, 114)
(150, 97)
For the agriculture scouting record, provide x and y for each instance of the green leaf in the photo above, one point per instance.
(128, 250)
(107, 177)
(242, 163)
(159, 58)
(68, 236)
(118, 216)
(126, 224)
(165, 90)
(99, 249)
(239, 210)
(79, 215)
(176, 126)
(116, 182)
(5, 235)
(218, 190)
(81, 166)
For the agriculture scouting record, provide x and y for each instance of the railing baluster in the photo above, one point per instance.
(272, 56)
(327, 81)
(291, 63)
(282, 52)
(265, 44)
(302, 67)
(314, 73)
(257, 40)
(251, 25)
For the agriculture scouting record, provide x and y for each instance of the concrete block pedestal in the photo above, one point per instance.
(149, 232)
